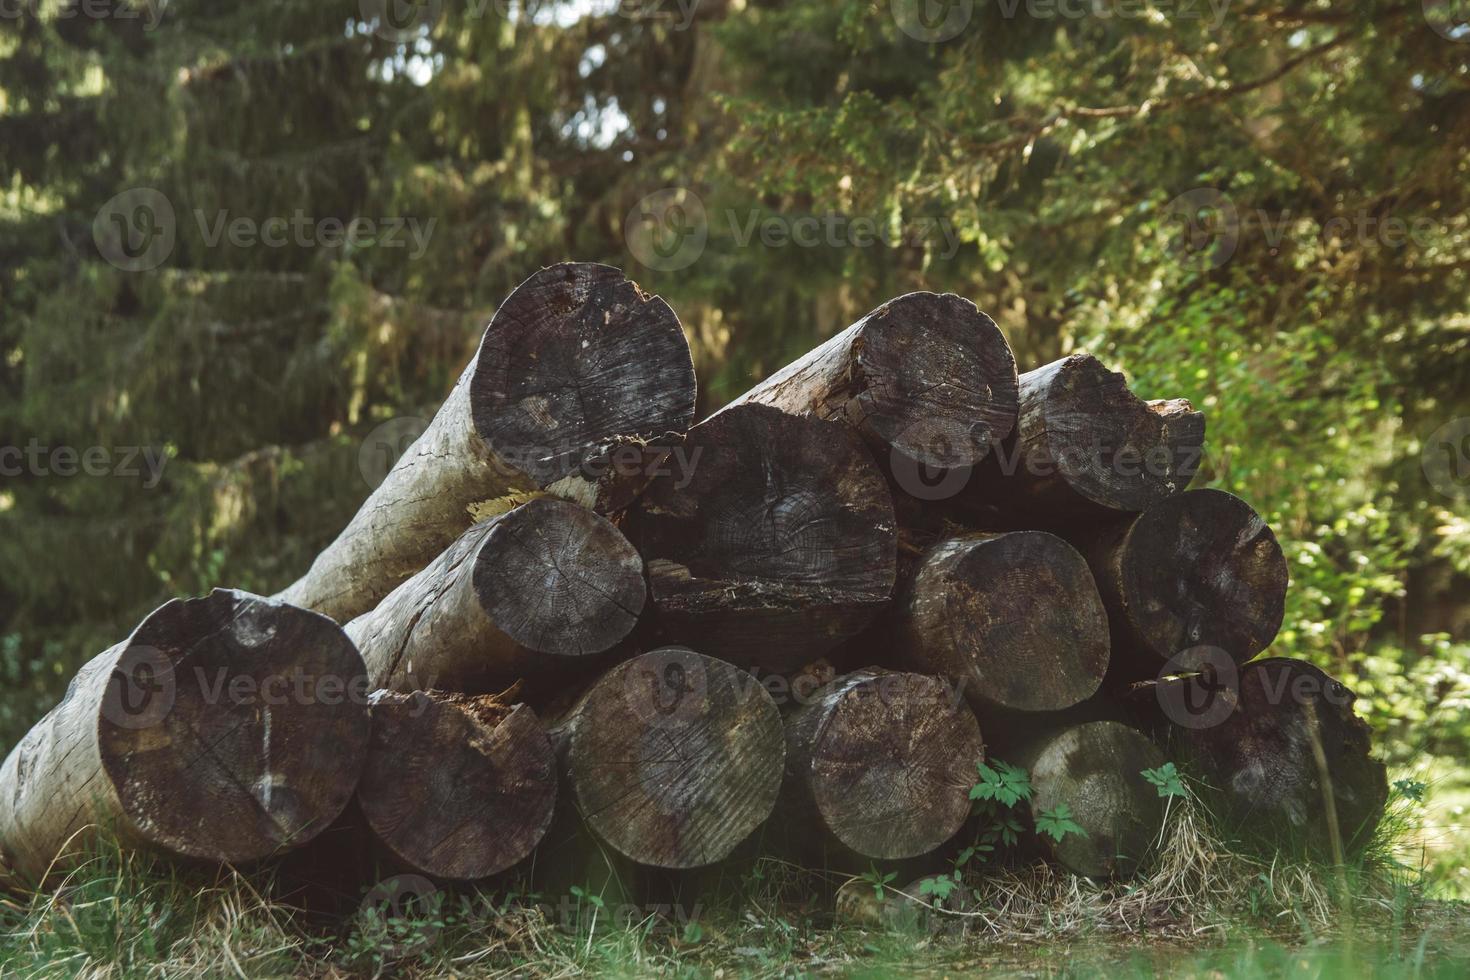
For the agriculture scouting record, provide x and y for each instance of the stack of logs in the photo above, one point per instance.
(566, 600)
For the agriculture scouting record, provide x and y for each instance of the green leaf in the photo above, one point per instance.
(1003, 783)
(1057, 823)
(1166, 780)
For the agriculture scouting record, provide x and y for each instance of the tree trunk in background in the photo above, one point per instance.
(225, 728)
(1095, 770)
(455, 786)
(546, 584)
(1014, 620)
(1086, 447)
(1284, 756)
(927, 379)
(883, 762)
(1193, 574)
(576, 370)
(674, 758)
(775, 546)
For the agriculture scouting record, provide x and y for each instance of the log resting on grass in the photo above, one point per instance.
(542, 586)
(457, 786)
(1284, 755)
(883, 761)
(927, 379)
(778, 545)
(1196, 572)
(1014, 620)
(577, 365)
(1096, 771)
(225, 728)
(674, 758)
(1085, 447)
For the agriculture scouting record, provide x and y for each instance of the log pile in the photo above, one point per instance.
(810, 612)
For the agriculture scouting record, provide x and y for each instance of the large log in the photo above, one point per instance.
(537, 589)
(577, 365)
(883, 762)
(1096, 771)
(1283, 756)
(776, 547)
(456, 786)
(225, 728)
(1014, 620)
(674, 758)
(1086, 447)
(927, 379)
(1194, 573)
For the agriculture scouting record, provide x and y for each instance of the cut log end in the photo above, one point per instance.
(576, 359)
(777, 546)
(1202, 570)
(559, 580)
(938, 380)
(887, 759)
(455, 786)
(675, 758)
(1095, 770)
(1014, 619)
(234, 726)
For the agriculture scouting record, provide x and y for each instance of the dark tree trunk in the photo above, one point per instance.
(455, 786)
(537, 589)
(674, 758)
(883, 762)
(1096, 771)
(775, 547)
(1085, 447)
(578, 368)
(1284, 756)
(225, 728)
(1013, 619)
(927, 379)
(1193, 574)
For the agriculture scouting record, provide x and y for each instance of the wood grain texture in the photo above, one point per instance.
(883, 762)
(525, 593)
(577, 363)
(777, 547)
(674, 758)
(225, 728)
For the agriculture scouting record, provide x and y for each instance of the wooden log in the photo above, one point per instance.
(1013, 620)
(1096, 771)
(674, 758)
(1283, 756)
(776, 547)
(528, 593)
(883, 762)
(225, 728)
(1084, 447)
(577, 365)
(457, 786)
(927, 379)
(1194, 572)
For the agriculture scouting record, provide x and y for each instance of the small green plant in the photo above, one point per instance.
(1410, 789)
(878, 880)
(1166, 780)
(1004, 784)
(939, 887)
(1057, 823)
